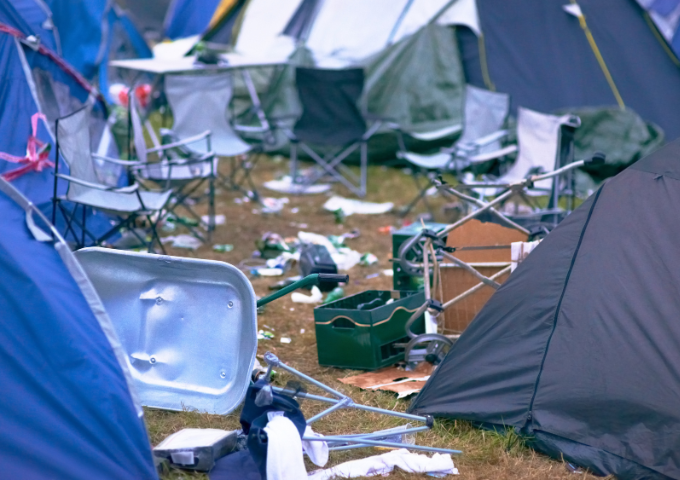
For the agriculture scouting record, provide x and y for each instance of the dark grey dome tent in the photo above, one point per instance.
(579, 349)
(538, 51)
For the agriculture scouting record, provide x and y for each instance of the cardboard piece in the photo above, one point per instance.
(456, 280)
(393, 379)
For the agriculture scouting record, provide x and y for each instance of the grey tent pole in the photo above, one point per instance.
(399, 21)
(441, 12)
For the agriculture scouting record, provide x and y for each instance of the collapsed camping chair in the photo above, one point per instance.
(178, 168)
(485, 115)
(423, 253)
(127, 204)
(200, 103)
(331, 120)
(545, 144)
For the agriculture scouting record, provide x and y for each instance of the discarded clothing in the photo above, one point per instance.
(284, 449)
(385, 463)
(316, 451)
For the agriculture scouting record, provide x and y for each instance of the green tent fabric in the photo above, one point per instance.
(621, 134)
(418, 82)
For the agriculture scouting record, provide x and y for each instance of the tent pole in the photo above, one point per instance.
(441, 12)
(399, 21)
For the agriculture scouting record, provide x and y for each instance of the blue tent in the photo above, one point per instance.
(31, 17)
(189, 17)
(93, 33)
(66, 408)
(33, 81)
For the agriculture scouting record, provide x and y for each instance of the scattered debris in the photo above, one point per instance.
(382, 465)
(262, 335)
(219, 219)
(285, 340)
(294, 210)
(393, 379)
(336, 294)
(285, 185)
(372, 275)
(302, 330)
(315, 297)
(267, 272)
(223, 248)
(388, 272)
(273, 205)
(386, 230)
(183, 241)
(350, 207)
(368, 259)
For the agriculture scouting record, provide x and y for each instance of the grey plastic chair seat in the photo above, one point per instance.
(188, 326)
(121, 202)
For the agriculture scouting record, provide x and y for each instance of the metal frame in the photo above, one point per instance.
(344, 442)
(127, 221)
(430, 248)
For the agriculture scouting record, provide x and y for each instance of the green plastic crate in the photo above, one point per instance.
(347, 337)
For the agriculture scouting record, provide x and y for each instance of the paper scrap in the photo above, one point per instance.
(393, 379)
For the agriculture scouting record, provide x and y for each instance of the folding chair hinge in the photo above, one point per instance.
(435, 305)
(437, 242)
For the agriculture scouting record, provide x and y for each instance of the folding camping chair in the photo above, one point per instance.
(201, 102)
(426, 250)
(332, 121)
(545, 143)
(177, 167)
(485, 115)
(127, 204)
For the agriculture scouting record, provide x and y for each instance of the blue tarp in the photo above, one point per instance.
(65, 408)
(189, 17)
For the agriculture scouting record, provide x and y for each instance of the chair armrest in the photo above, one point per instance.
(480, 142)
(118, 161)
(485, 157)
(180, 143)
(129, 189)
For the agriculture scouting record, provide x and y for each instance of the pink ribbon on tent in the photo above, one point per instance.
(37, 153)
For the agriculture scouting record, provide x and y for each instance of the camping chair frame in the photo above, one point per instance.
(430, 249)
(331, 162)
(128, 220)
(345, 442)
(183, 188)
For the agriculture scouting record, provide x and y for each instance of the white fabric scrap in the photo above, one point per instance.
(350, 207)
(315, 297)
(519, 251)
(438, 464)
(284, 449)
(183, 241)
(316, 451)
(285, 185)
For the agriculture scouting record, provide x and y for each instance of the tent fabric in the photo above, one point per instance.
(221, 28)
(666, 16)
(31, 17)
(189, 17)
(578, 348)
(94, 32)
(31, 82)
(418, 82)
(66, 409)
(538, 53)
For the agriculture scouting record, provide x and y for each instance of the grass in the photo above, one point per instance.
(487, 454)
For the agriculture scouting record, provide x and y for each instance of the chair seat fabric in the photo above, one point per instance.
(115, 202)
